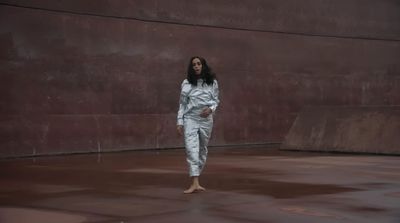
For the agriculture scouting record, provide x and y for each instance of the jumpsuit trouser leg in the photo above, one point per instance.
(197, 135)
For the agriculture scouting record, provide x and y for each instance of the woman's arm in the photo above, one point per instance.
(214, 101)
(182, 103)
(215, 96)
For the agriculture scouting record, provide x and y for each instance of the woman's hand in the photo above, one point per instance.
(179, 128)
(206, 112)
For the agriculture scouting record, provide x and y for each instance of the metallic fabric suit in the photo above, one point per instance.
(197, 130)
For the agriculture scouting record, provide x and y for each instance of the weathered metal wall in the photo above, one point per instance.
(361, 129)
(105, 75)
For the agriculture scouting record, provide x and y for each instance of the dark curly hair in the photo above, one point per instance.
(206, 74)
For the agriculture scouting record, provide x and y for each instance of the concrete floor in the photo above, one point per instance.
(243, 185)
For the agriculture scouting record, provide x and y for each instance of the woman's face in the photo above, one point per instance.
(197, 66)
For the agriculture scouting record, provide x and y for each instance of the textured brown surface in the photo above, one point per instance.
(243, 185)
(93, 79)
(353, 18)
(346, 129)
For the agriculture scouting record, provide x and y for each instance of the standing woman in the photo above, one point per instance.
(198, 102)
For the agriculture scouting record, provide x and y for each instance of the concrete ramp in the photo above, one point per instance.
(346, 129)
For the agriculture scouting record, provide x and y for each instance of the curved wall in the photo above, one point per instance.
(96, 76)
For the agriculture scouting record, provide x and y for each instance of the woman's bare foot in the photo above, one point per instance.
(200, 188)
(194, 189)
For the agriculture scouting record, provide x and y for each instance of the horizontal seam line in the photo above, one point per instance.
(201, 25)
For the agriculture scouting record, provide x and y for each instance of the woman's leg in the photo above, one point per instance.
(192, 145)
(203, 136)
(205, 130)
(191, 129)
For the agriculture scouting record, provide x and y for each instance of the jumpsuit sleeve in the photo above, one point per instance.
(215, 96)
(182, 104)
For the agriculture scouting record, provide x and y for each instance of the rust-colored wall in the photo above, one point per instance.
(105, 75)
(361, 129)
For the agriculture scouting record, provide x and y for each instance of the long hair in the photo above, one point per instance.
(206, 73)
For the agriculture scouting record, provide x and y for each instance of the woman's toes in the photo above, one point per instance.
(190, 190)
(200, 188)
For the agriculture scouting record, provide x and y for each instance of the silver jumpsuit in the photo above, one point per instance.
(197, 130)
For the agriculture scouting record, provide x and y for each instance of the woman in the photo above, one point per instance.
(198, 102)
